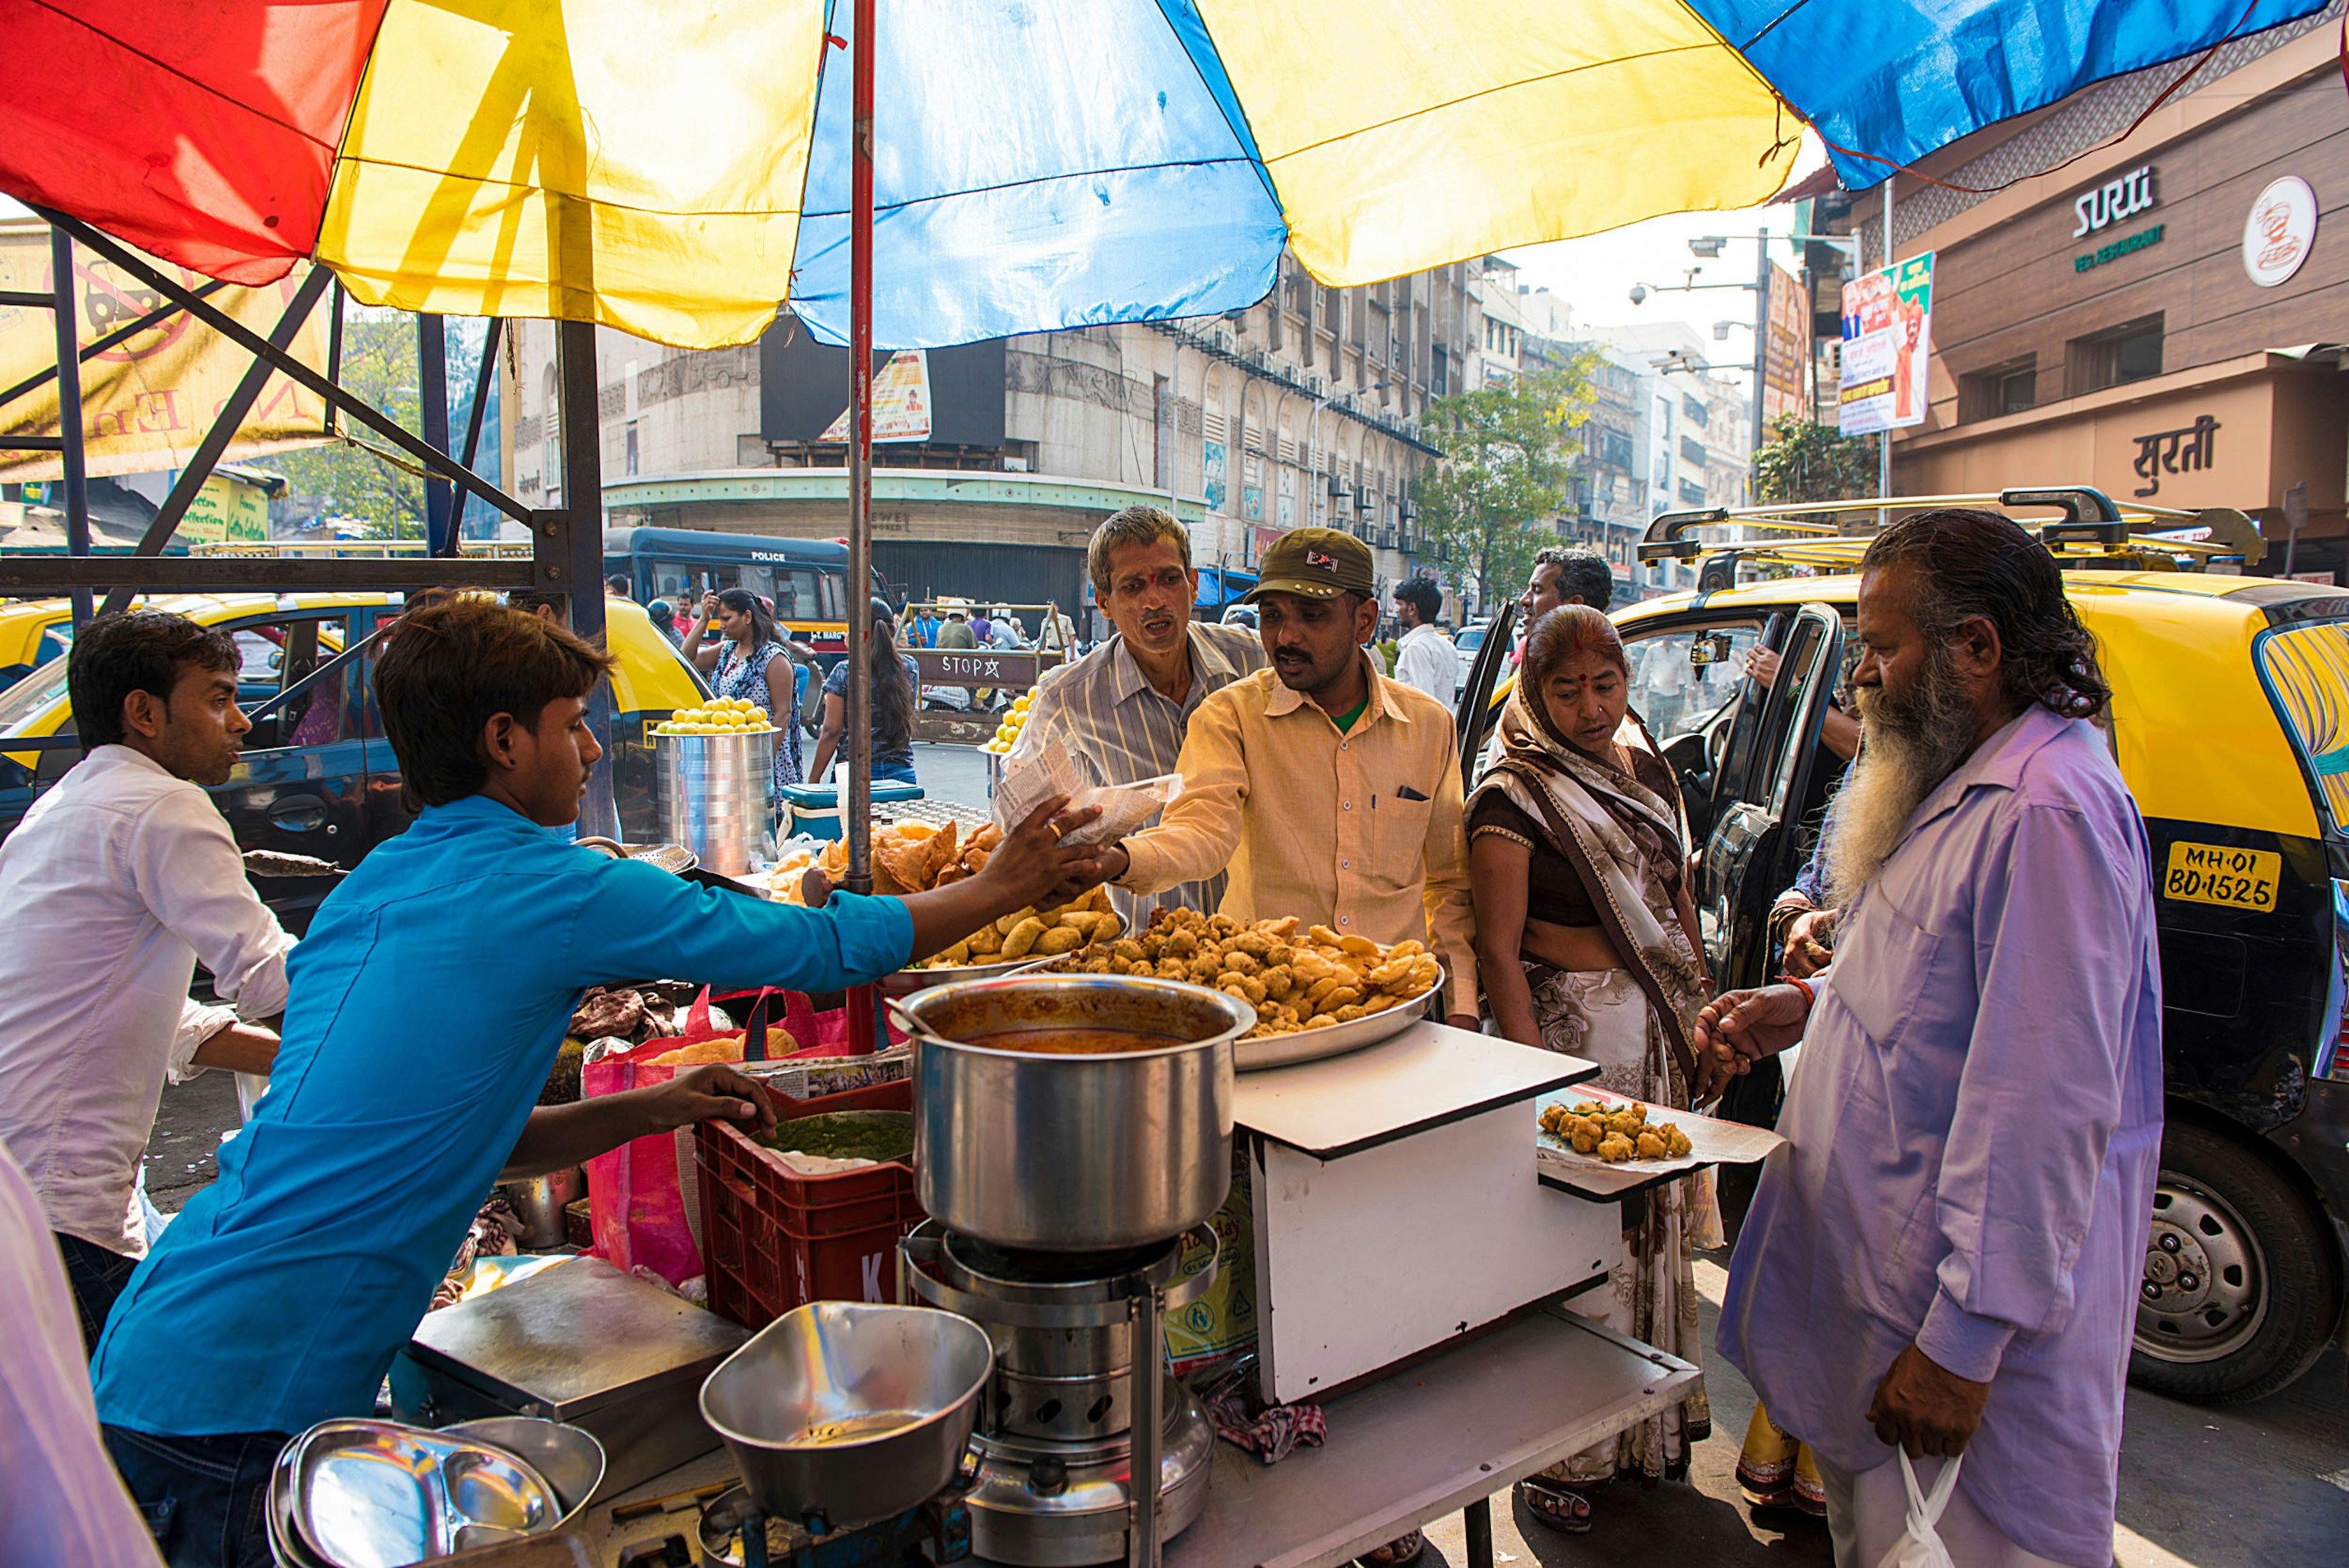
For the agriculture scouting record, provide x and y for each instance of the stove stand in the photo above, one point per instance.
(1072, 1415)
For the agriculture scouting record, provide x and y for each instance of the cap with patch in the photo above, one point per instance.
(1316, 562)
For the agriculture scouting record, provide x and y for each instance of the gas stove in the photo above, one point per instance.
(1071, 1415)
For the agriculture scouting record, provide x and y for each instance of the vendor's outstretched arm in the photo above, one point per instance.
(558, 1137)
(1198, 833)
(646, 922)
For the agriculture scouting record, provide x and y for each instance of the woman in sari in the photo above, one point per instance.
(1585, 938)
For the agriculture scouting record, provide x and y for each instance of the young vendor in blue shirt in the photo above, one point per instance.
(425, 1007)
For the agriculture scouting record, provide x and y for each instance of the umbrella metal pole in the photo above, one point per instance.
(66, 307)
(856, 811)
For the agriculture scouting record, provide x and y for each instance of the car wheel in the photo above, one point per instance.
(2240, 1288)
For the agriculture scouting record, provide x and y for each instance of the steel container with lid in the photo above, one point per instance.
(1077, 1152)
(718, 795)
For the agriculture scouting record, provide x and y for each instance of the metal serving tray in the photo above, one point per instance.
(375, 1494)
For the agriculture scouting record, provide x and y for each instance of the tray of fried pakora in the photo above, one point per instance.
(1014, 943)
(1316, 994)
(1602, 1144)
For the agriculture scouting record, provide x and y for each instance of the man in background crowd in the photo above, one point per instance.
(957, 633)
(1122, 711)
(1567, 576)
(117, 881)
(1426, 657)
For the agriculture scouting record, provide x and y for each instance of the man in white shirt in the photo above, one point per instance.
(117, 881)
(1426, 657)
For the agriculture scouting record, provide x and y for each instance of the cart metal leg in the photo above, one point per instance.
(1478, 1518)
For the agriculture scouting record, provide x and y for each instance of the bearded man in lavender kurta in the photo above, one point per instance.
(1944, 1256)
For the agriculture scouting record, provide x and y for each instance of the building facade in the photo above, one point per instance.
(2163, 317)
(1301, 409)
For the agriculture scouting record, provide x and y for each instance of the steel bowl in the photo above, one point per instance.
(840, 1414)
(569, 1458)
(1072, 1153)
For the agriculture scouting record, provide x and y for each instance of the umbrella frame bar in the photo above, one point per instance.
(567, 542)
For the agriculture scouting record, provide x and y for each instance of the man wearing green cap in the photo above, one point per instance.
(1331, 792)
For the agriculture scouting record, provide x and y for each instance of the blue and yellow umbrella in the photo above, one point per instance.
(677, 170)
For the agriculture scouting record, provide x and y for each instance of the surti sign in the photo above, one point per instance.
(2114, 200)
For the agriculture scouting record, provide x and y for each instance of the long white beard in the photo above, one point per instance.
(1907, 748)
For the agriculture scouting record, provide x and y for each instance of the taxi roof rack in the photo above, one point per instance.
(2092, 526)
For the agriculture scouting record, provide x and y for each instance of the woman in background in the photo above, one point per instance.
(747, 659)
(894, 679)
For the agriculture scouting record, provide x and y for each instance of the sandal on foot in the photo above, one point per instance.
(1564, 1511)
(1399, 1552)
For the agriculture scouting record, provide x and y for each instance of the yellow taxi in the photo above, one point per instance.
(317, 776)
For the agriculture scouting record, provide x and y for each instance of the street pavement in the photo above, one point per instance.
(2264, 1485)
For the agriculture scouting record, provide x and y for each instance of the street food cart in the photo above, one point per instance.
(1412, 1262)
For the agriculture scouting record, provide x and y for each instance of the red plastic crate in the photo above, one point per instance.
(773, 1240)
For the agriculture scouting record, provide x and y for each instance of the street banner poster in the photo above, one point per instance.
(1888, 346)
(146, 402)
(901, 402)
(1782, 350)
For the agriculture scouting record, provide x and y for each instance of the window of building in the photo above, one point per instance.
(1694, 410)
(550, 454)
(2129, 352)
(2007, 389)
(1691, 493)
(1693, 451)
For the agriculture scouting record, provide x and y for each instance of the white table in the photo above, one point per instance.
(1434, 1439)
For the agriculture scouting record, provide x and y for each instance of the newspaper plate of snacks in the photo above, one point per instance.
(1316, 994)
(1602, 1144)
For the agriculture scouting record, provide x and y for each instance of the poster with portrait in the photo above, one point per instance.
(1888, 347)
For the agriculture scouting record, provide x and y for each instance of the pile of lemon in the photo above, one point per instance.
(720, 716)
(1007, 734)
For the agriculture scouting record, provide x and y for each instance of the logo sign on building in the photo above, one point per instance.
(2280, 230)
(146, 402)
(901, 402)
(1888, 346)
(2114, 201)
(1782, 355)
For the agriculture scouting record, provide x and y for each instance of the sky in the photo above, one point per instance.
(1595, 274)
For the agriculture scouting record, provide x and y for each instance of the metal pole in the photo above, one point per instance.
(857, 813)
(65, 306)
(1883, 442)
(1761, 282)
(583, 547)
(432, 394)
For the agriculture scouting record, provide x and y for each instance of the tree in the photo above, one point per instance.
(1806, 461)
(378, 364)
(1503, 471)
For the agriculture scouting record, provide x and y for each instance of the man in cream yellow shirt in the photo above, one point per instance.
(1331, 792)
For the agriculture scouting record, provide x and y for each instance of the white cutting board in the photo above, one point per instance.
(1426, 1075)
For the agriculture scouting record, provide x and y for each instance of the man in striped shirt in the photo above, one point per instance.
(1122, 710)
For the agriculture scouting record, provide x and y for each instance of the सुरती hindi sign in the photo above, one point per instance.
(1888, 347)
(147, 402)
